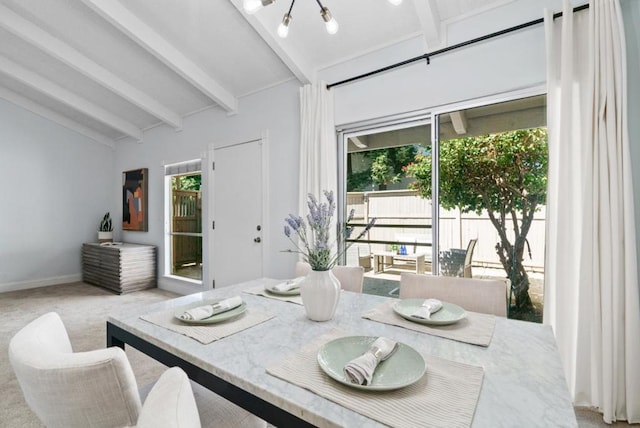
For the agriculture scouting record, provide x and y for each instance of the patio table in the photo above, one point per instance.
(523, 383)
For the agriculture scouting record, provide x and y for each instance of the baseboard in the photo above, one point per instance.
(37, 283)
(180, 286)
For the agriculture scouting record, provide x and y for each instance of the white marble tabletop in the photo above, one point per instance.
(523, 386)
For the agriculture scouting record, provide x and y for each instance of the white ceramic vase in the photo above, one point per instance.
(320, 292)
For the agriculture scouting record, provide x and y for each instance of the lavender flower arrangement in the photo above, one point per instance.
(314, 234)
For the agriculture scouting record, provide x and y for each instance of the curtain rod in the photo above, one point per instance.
(427, 56)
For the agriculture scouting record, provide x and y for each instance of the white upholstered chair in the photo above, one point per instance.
(98, 388)
(351, 277)
(477, 295)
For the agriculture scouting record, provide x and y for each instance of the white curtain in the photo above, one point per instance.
(591, 292)
(318, 149)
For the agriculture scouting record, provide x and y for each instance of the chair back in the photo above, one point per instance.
(67, 389)
(351, 277)
(476, 295)
(468, 257)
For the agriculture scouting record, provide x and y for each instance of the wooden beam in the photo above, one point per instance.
(120, 17)
(427, 11)
(459, 121)
(44, 41)
(294, 62)
(60, 94)
(33, 107)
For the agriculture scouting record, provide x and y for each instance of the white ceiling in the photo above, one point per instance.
(113, 68)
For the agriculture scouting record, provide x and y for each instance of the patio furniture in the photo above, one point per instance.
(457, 261)
(359, 255)
(385, 259)
(98, 388)
(478, 295)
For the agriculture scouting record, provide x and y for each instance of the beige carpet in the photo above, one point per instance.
(84, 310)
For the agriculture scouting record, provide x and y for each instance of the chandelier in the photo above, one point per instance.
(252, 6)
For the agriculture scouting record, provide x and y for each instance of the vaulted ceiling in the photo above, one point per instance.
(112, 68)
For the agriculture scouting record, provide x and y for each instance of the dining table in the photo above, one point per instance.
(513, 377)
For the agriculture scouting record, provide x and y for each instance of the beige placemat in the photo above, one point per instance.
(208, 333)
(476, 329)
(260, 291)
(446, 396)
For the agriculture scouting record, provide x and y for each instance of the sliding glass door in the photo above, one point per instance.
(484, 166)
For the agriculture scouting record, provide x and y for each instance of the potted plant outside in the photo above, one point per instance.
(105, 231)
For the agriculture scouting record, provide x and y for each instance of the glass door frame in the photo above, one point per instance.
(391, 123)
(415, 118)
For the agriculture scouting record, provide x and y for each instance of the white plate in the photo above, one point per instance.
(449, 313)
(293, 292)
(405, 367)
(223, 316)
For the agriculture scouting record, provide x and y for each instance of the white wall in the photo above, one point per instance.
(510, 62)
(55, 186)
(274, 110)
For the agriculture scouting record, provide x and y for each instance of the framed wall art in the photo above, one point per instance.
(134, 200)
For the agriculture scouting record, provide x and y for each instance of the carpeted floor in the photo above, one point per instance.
(84, 310)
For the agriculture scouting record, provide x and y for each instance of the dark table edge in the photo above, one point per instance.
(117, 336)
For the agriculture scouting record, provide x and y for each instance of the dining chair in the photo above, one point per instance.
(487, 296)
(351, 277)
(98, 388)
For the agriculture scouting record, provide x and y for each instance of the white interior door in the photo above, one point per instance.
(237, 213)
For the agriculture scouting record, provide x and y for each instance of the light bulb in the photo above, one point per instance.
(330, 21)
(283, 28)
(395, 2)
(252, 6)
(332, 26)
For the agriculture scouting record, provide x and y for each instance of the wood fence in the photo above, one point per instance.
(405, 207)
(187, 218)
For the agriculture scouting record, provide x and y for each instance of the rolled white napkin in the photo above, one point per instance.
(360, 370)
(428, 308)
(206, 311)
(289, 285)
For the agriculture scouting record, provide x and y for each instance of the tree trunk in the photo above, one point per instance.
(512, 264)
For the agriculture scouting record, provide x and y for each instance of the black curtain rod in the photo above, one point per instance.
(427, 56)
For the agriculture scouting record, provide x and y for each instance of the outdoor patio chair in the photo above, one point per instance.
(458, 261)
(477, 295)
(98, 388)
(351, 277)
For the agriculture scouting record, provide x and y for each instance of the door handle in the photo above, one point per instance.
(257, 239)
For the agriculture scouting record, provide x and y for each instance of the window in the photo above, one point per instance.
(184, 215)
(486, 166)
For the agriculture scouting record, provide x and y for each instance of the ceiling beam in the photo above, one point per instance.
(427, 11)
(44, 41)
(295, 63)
(47, 113)
(51, 89)
(120, 17)
(459, 122)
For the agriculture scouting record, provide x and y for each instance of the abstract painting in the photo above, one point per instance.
(134, 200)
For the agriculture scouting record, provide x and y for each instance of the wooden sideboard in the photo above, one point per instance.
(122, 268)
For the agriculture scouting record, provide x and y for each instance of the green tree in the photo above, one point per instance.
(382, 172)
(504, 174)
(186, 182)
(387, 166)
